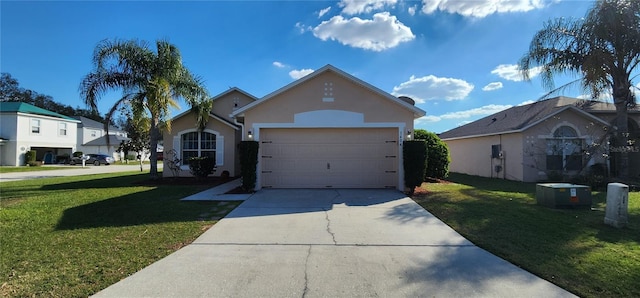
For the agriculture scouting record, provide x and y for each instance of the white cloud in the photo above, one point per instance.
(296, 74)
(352, 7)
(412, 10)
(302, 28)
(433, 88)
(472, 113)
(481, 111)
(480, 8)
(382, 32)
(492, 86)
(428, 118)
(278, 64)
(323, 11)
(528, 102)
(511, 72)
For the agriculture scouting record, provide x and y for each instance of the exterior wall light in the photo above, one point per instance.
(408, 134)
(249, 135)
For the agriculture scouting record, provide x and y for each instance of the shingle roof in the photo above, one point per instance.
(114, 140)
(86, 122)
(520, 118)
(22, 107)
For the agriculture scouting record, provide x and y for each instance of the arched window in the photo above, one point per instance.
(197, 144)
(564, 150)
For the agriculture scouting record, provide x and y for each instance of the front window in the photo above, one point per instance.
(35, 126)
(198, 144)
(564, 150)
(62, 129)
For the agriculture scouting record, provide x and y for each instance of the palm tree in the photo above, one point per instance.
(151, 83)
(603, 49)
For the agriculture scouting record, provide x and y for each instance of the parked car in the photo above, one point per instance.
(95, 159)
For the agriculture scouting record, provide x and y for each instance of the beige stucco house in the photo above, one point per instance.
(328, 129)
(219, 138)
(535, 142)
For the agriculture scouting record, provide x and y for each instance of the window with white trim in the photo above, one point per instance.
(62, 129)
(564, 150)
(197, 144)
(35, 126)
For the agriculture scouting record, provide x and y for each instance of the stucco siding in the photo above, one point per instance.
(328, 92)
(225, 135)
(224, 105)
(473, 156)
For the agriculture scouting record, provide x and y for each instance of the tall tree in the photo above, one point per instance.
(604, 50)
(151, 83)
(10, 90)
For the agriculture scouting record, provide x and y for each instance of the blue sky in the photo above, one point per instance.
(455, 58)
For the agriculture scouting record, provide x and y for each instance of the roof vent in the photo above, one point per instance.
(407, 100)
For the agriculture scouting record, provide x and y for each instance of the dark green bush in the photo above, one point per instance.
(415, 158)
(30, 157)
(437, 154)
(201, 167)
(248, 163)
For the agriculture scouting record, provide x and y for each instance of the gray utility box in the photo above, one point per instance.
(562, 195)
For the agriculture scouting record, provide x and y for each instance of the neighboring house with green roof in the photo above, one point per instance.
(544, 140)
(25, 127)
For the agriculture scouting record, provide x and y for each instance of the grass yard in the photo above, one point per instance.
(6, 169)
(73, 236)
(574, 249)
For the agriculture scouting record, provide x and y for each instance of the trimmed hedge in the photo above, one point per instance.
(30, 158)
(415, 159)
(438, 158)
(201, 167)
(248, 164)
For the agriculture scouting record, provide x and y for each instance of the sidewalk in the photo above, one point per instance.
(218, 193)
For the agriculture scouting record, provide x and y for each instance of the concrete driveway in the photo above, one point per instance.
(331, 243)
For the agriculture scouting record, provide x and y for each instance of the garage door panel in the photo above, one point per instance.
(339, 158)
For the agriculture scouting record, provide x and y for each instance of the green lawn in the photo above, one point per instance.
(6, 169)
(73, 236)
(571, 248)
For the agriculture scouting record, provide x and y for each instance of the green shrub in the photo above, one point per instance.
(438, 158)
(415, 159)
(30, 157)
(248, 163)
(201, 167)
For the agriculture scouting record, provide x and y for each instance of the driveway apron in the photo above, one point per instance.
(331, 243)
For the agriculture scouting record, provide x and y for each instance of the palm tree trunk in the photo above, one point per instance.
(622, 139)
(154, 135)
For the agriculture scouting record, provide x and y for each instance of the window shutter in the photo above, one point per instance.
(219, 150)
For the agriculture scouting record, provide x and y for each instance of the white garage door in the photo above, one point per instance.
(328, 157)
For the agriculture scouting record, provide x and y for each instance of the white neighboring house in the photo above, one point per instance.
(25, 127)
(92, 138)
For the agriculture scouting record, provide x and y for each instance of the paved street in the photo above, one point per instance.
(73, 171)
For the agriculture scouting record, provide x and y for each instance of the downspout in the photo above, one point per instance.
(235, 121)
(503, 161)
